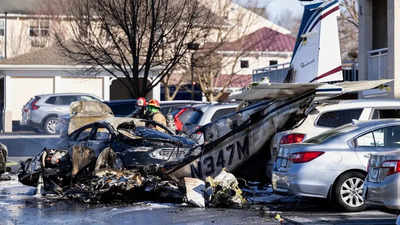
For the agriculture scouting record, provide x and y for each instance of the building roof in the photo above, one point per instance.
(43, 56)
(24, 6)
(261, 40)
(233, 81)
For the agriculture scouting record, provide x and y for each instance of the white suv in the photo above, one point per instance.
(42, 111)
(333, 114)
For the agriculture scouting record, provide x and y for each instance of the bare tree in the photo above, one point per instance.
(131, 38)
(350, 12)
(208, 63)
(348, 22)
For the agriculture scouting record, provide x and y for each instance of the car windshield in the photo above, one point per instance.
(191, 116)
(331, 134)
(149, 133)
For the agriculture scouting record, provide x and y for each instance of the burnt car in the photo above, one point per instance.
(97, 140)
(113, 143)
(133, 142)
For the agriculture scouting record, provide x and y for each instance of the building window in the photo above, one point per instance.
(39, 28)
(39, 33)
(244, 64)
(2, 28)
(273, 62)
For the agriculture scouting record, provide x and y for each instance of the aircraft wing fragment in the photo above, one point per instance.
(274, 91)
(285, 90)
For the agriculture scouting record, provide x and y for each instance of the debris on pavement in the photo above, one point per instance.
(4, 164)
(195, 189)
(224, 191)
(104, 180)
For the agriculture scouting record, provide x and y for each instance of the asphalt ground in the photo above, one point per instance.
(20, 205)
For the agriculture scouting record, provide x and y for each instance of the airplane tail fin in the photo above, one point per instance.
(316, 56)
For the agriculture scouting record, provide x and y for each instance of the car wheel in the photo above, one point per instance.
(348, 191)
(50, 125)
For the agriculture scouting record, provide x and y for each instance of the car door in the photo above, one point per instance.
(99, 139)
(378, 140)
(81, 136)
(94, 136)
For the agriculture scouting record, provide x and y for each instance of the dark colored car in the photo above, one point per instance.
(122, 108)
(126, 107)
(114, 143)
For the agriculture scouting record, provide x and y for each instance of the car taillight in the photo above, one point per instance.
(292, 138)
(33, 104)
(392, 166)
(178, 122)
(302, 157)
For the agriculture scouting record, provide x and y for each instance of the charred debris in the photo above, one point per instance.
(103, 180)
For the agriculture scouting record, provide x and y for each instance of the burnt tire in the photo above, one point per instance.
(347, 191)
(50, 125)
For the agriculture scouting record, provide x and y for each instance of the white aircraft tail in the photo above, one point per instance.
(316, 56)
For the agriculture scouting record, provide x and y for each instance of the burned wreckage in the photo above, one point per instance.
(102, 157)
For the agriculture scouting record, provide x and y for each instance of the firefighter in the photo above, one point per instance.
(140, 108)
(153, 113)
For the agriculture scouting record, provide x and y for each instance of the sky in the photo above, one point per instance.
(275, 7)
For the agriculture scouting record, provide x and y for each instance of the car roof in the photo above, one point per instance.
(356, 128)
(62, 94)
(373, 123)
(181, 102)
(208, 106)
(121, 101)
(358, 103)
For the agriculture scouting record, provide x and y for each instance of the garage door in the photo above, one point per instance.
(23, 89)
(92, 86)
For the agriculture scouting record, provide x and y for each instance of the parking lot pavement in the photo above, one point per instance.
(297, 210)
(266, 205)
(24, 145)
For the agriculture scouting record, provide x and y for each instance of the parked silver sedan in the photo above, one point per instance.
(333, 164)
(383, 180)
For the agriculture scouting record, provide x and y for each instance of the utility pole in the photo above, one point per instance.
(193, 46)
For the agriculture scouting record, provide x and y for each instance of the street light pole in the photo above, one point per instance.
(191, 72)
(193, 46)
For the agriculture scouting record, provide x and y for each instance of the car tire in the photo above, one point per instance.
(348, 191)
(50, 124)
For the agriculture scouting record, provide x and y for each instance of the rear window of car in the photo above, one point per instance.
(222, 112)
(331, 134)
(338, 118)
(87, 98)
(191, 117)
(51, 100)
(123, 109)
(386, 114)
(62, 100)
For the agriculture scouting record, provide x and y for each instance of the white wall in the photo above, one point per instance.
(19, 89)
(86, 85)
(256, 61)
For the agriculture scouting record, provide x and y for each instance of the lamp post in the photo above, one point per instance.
(193, 46)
